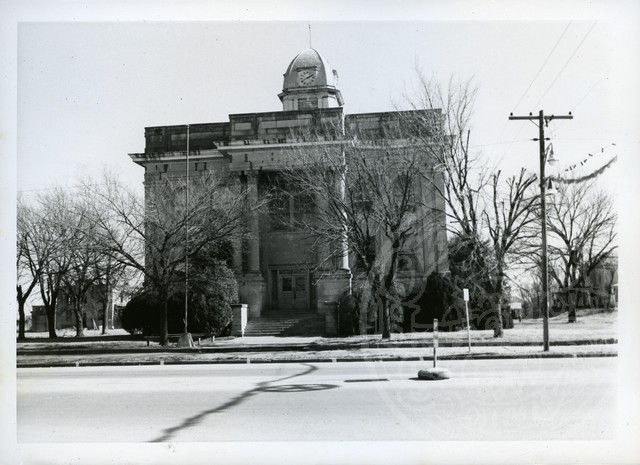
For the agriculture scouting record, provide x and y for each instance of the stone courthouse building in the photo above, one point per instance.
(275, 274)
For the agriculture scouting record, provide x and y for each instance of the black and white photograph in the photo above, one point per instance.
(337, 232)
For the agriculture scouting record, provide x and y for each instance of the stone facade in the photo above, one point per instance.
(276, 267)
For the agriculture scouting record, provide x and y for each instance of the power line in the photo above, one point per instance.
(543, 65)
(566, 63)
(590, 89)
(500, 143)
(561, 71)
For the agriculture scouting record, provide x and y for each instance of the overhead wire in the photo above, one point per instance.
(544, 63)
(566, 63)
(591, 89)
(561, 70)
(542, 66)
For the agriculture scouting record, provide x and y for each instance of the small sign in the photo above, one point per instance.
(435, 333)
(465, 293)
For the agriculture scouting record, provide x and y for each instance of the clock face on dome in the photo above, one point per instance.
(306, 77)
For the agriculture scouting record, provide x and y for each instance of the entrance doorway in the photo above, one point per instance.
(293, 290)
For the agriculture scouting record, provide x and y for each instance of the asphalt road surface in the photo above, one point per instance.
(483, 400)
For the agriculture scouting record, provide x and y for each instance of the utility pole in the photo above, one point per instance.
(542, 122)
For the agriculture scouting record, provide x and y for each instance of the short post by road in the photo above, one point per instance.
(435, 343)
(434, 373)
(465, 293)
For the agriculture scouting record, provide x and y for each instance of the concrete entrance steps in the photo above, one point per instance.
(286, 323)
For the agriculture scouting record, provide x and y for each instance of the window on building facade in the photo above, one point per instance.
(279, 211)
(362, 203)
(303, 204)
(290, 209)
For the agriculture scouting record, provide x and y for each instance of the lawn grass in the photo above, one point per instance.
(590, 327)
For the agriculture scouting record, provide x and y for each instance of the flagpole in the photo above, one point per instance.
(185, 339)
(186, 255)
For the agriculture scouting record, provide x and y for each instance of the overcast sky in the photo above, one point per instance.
(86, 90)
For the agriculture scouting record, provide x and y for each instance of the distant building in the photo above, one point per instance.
(273, 268)
(600, 289)
(91, 313)
(603, 283)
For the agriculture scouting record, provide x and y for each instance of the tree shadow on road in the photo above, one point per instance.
(264, 386)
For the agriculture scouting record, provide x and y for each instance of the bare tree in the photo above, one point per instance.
(465, 173)
(83, 255)
(368, 188)
(481, 207)
(507, 223)
(582, 224)
(150, 234)
(47, 229)
(33, 251)
(110, 274)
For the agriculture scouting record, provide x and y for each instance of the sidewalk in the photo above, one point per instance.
(202, 356)
(275, 349)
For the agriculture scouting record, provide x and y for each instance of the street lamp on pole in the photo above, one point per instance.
(544, 159)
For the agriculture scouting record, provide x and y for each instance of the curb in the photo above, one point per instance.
(302, 347)
(248, 361)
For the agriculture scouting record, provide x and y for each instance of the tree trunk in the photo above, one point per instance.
(164, 321)
(497, 320)
(105, 317)
(105, 303)
(388, 286)
(79, 323)
(51, 319)
(374, 297)
(497, 308)
(21, 322)
(386, 318)
(572, 299)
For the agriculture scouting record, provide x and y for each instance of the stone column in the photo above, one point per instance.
(333, 285)
(344, 246)
(253, 242)
(251, 285)
(237, 241)
(237, 256)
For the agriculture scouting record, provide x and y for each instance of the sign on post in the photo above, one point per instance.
(465, 293)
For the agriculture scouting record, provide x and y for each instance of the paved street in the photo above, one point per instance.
(484, 400)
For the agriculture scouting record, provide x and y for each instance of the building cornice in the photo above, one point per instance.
(144, 158)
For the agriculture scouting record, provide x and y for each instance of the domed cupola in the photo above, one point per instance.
(310, 83)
